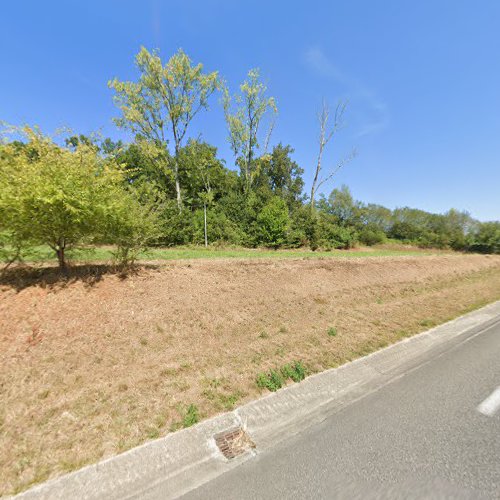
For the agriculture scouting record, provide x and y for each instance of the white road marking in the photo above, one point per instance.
(491, 404)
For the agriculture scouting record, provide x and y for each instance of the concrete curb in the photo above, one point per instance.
(184, 460)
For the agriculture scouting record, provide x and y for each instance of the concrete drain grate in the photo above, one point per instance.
(234, 442)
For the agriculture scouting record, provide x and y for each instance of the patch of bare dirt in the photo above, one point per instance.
(91, 368)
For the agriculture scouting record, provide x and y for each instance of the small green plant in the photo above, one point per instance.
(152, 433)
(332, 332)
(299, 371)
(287, 371)
(263, 335)
(296, 371)
(191, 417)
(426, 322)
(229, 400)
(274, 379)
(271, 380)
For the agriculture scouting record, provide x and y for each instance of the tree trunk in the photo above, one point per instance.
(176, 174)
(316, 173)
(313, 192)
(205, 216)
(61, 258)
(178, 187)
(315, 182)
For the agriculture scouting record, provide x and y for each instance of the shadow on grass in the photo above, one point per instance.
(24, 276)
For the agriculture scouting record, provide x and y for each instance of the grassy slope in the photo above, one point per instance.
(92, 369)
(104, 254)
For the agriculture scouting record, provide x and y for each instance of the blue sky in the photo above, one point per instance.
(422, 79)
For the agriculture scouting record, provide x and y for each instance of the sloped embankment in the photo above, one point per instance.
(91, 367)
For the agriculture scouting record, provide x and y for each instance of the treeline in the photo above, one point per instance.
(166, 188)
(276, 212)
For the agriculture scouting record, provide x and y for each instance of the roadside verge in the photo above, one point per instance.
(186, 459)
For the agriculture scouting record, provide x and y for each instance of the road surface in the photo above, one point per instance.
(433, 433)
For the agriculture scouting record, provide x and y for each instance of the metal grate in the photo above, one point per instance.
(233, 442)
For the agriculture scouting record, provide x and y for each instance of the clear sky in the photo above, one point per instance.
(422, 78)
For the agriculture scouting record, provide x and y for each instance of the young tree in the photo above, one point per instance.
(326, 134)
(244, 122)
(163, 103)
(62, 198)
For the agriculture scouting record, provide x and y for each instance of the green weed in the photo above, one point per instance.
(191, 417)
(274, 379)
(271, 380)
(332, 332)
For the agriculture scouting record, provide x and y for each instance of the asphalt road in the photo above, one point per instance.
(421, 436)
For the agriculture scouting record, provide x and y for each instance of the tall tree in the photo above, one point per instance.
(326, 134)
(163, 103)
(279, 175)
(244, 121)
(206, 176)
(342, 205)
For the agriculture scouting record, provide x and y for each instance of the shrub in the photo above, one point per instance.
(272, 223)
(219, 228)
(371, 236)
(334, 236)
(486, 239)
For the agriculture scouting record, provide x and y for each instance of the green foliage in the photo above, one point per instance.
(271, 380)
(371, 235)
(486, 238)
(278, 175)
(273, 222)
(191, 417)
(162, 104)
(220, 228)
(165, 96)
(243, 123)
(295, 371)
(341, 205)
(166, 189)
(332, 332)
(63, 198)
(334, 236)
(274, 379)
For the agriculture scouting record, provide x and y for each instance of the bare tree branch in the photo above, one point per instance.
(325, 136)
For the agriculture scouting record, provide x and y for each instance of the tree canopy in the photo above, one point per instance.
(165, 187)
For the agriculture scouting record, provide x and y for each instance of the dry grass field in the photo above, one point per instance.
(99, 362)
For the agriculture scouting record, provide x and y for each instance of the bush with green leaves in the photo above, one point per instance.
(272, 223)
(371, 235)
(485, 239)
(334, 236)
(219, 228)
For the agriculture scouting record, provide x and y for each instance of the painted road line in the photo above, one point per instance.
(491, 404)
